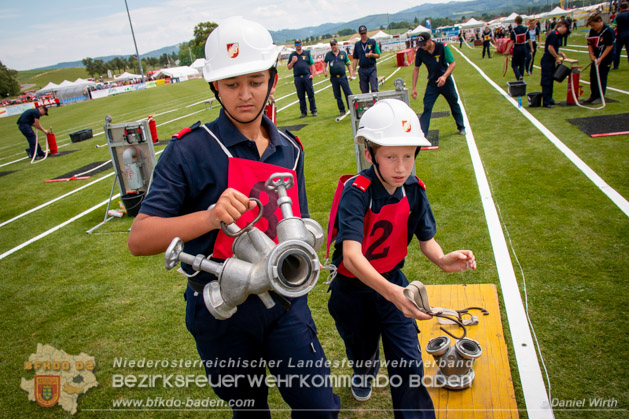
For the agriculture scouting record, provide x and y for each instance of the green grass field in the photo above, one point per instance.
(85, 292)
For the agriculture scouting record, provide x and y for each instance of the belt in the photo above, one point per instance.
(198, 288)
(338, 75)
(302, 75)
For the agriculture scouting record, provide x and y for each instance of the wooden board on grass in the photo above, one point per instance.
(491, 394)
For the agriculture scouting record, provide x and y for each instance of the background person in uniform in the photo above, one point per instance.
(530, 58)
(302, 64)
(367, 300)
(550, 60)
(521, 40)
(337, 60)
(600, 46)
(204, 177)
(366, 52)
(26, 122)
(440, 65)
(622, 38)
(488, 38)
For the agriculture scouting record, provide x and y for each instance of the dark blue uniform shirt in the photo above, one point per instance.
(437, 63)
(519, 30)
(355, 203)
(337, 62)
(303, 63)
(192, 173)
(554, 39)
(29, 117)
(361, 49)
(607, 38)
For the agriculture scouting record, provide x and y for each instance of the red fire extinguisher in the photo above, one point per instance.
(153, 128)
(52, 142)
(270, 110)
(573, 84)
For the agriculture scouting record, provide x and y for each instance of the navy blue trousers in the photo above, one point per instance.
(530, 58)
(622, 41)
(339, 83)
(518, 61)
(28, 132)
(303, 84)
(281, 338)
(362, 317)
(368, 77)
(603, 70)
(430, 97)
(548, 70)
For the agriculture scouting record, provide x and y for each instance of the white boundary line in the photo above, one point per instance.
(611, 193)
(533, 387)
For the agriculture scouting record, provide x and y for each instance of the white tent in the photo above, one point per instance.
(198, 64)
(50, 87)
(81, 81)
(127, 76)
(557, 11)
(419, 29)
(66, 83)
(181, 72)
(472, 23)
(381, 35)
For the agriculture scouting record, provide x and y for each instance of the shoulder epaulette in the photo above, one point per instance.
(185, 131)
(421, 183)
(294, 137)
(362, 182)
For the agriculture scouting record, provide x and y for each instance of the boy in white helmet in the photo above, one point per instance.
(206, 176)
(374, 216)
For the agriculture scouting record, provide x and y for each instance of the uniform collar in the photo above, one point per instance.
(377, 188)
(230, 136)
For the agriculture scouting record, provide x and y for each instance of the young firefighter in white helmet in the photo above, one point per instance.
(374, 217)
(206, 176)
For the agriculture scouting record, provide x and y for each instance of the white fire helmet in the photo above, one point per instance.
(238, 46)
(390, 123)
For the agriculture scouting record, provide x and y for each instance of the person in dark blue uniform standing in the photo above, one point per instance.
(302, 64)
(600, 46)
(550, 60)
(440, 64)
(622, 28)
(521, 41)
(488, 38)
(206, 177)
(26, 122)
(337, 60)
(375, 215)
(366, 51)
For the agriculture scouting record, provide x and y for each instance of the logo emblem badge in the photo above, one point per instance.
(233, 50)
(406, 126)
(47, 388)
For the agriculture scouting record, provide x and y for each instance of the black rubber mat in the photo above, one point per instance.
(601, 125)
(87, 170)
(6, 173)
(433, 137)
(436, 114)
(292, 127)
(62, 153)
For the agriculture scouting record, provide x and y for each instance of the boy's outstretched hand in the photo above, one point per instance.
(457, 261)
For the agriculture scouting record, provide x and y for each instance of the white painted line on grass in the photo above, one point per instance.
(585, 52)
(533, 386)
(17, 217)
(611, 193)
(55, 228)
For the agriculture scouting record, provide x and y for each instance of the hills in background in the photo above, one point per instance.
(452, 10)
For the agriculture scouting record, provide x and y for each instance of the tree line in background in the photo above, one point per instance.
(9, 85)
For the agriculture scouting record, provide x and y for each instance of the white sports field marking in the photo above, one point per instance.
(535, 396)
(17, 217)
(624, 92)
(611, 193)
(55, 228)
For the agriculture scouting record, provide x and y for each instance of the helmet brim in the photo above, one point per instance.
(395, 141)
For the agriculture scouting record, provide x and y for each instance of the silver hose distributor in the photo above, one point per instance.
(290, 268)
(455, 362)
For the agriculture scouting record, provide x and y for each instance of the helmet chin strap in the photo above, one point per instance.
(273, 72)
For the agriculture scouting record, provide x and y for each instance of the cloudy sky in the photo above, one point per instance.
(38, 33)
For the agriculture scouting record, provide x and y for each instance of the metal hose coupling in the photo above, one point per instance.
(290, 267)
(455, 362)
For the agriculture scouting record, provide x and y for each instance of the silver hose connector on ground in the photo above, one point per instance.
(455, 362)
